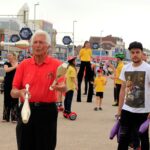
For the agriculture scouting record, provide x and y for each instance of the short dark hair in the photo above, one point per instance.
(135, 44)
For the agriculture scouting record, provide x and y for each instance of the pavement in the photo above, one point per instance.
(90, 131)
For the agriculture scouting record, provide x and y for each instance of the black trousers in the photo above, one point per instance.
(130, 123)
(68, 100)
(115, 94)
(83, 65)
(86, 85)
(117, 91)
(87, 65)
(79, 91)
(41, 131)
(10, 108)
(90, 92)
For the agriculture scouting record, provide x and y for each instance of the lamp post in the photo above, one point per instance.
(35, 13)
(100, 51)
(25, 16)
(73, 38)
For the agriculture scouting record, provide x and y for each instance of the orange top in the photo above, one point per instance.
(39, 77)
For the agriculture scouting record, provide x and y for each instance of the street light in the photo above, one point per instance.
(100, 51)
(35, 13)
(73, 38)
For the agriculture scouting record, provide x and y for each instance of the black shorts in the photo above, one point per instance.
(100, 94)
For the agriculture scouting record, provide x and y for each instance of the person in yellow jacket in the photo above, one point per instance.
(99, 84)
(117, 81)
(71, 84)
(85, 56)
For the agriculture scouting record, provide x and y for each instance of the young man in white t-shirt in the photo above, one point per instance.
(134, 100)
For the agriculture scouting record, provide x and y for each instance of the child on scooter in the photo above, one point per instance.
(71, 83)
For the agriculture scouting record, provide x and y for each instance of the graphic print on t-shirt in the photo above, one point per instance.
(135, 87)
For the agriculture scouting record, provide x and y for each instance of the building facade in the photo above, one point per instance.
(108, 46)
(12, 24)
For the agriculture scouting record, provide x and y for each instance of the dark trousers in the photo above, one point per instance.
(90, 92)
(41, 131)
(130, 123)
(86, 85)
(115, 94)
(10, 108)
(79, 91)
(117, 88)
(68, 100)
(83, 65)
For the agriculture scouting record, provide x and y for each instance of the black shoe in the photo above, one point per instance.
(96, 109)
(100, 108)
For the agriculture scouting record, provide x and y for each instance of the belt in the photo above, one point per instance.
(41, 104)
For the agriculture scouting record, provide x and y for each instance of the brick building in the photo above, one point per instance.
(108, 42)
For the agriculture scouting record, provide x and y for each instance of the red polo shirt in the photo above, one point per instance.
(39, 77)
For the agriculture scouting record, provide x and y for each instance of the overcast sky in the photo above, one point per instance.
(129, 19)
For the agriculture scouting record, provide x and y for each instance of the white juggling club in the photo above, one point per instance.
(20, 44)
(26, 112)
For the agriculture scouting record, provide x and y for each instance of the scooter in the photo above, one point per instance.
(71, 116)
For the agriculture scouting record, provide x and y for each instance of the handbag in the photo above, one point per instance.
(26, 112)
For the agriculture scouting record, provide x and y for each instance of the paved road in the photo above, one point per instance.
(89, 132)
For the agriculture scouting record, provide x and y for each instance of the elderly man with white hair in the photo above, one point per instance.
(39, 72)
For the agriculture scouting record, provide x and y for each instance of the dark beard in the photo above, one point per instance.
(137, 62)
